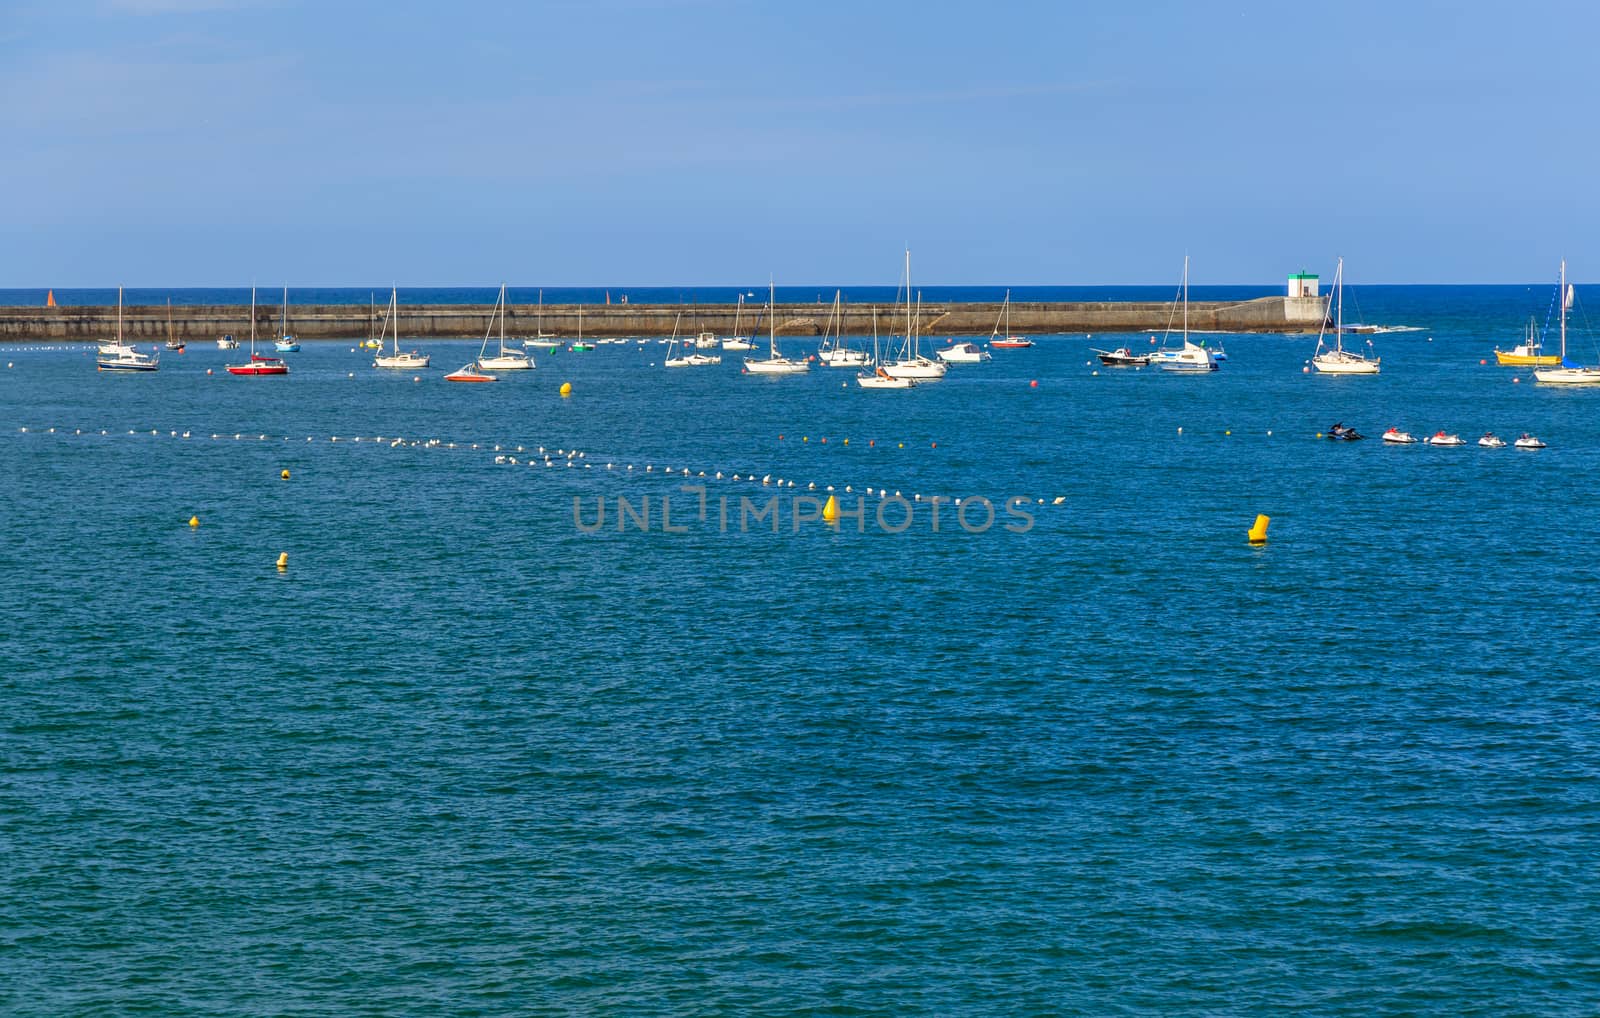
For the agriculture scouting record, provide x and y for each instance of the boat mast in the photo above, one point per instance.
(1185, 300)
(1562, 297)
(252, 322)
(772, 322)
(119, 315)
(283, 322)
(502, 319)
(1338, 288)
(169, 319)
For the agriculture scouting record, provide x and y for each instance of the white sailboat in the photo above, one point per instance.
(397, 359)
(1006, 341)
(774, 364)
(911, 363)
(1191, 357)
(547, 340)
(685, 359)
(507, 359)
(1336, 360)
(736, 341)
(286, 342)
(834, 353)
(1567, 372)
(120, 356)
(875, 377)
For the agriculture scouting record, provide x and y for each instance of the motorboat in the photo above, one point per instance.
(1394, 436)
(1121, 357)
(963, 353)
(1527, 441)
(227, 343)
(1492, 441)
(470, 372)
(707, 341)
(1440, 438)
(1341, 433)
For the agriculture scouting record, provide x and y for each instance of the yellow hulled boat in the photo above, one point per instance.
(1527, 354)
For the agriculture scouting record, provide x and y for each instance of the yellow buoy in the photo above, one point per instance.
(284, 475)
(283, 560)
(1258, 533)
(194, 521)
(830, 510)
(566, 389)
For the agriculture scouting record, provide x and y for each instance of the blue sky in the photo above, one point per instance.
(618, 142)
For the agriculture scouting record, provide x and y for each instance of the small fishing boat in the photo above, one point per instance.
(707, 341)
(1528, 353)
(963, 353)
(259, 365)
(1122, 357)
(1394, 436)
(1527, 441)
(227, 343)
(998, 341)
(1440, 438)
(1492, 441)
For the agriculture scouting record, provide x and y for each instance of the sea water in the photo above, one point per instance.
(462, 756)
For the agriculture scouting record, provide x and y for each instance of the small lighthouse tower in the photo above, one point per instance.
(1303, 284)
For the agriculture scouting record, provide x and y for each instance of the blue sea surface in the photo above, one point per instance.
(463, 757)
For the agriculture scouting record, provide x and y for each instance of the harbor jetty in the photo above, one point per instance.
(1282, 314)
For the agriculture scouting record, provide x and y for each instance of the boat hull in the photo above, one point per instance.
(1568, 376)
(402, 362)
(780, 366)
(256, 368)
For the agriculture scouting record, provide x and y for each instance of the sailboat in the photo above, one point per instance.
(578, 345)
(1191, 357)
(911, 363)
(1007, 341)
(833, 353)
(259, 364)
(1336, 360)
(875, 377)
(774, 364)
(123, 357)
(686, 359)
(1528, 353)
(1567, 372)
(507, 359)
(549, 341)
(737, 342)
(172, 342)
(286, 343)
(397, 359)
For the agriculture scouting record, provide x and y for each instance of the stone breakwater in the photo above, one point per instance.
(353, 322)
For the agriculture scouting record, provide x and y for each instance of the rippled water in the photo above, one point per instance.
(462, 757)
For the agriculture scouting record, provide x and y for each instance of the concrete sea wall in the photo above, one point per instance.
(347, 322)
